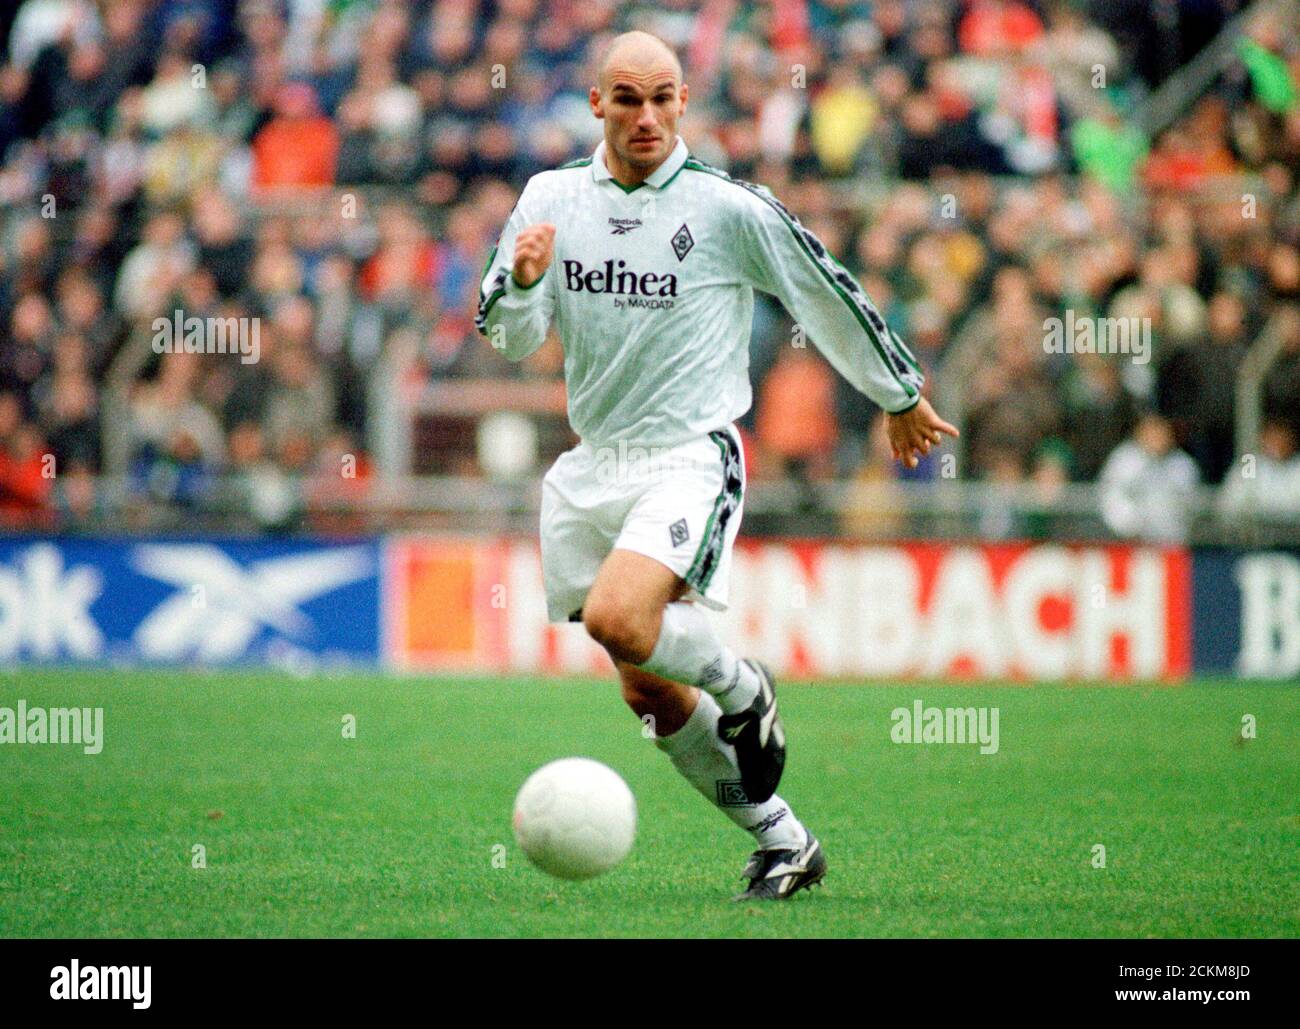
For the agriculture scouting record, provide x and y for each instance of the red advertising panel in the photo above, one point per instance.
(924, 610)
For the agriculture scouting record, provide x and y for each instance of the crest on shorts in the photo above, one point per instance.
(682, 242)
(678, 532)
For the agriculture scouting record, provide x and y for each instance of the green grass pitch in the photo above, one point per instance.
(394, 833)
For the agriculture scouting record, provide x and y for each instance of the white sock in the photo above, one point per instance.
(689, 651)
(710, 766)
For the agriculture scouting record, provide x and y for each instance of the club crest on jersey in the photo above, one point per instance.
(683, 241)
(622, 226)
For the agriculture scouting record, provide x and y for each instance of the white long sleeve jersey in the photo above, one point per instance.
(651, 289)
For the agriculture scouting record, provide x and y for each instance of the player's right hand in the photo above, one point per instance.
(534, 248)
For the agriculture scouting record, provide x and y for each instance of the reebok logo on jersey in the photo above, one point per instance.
(622, 226)
(682, 242)
(615, 277)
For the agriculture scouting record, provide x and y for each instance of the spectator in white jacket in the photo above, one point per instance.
(1148, 485)
(1266, 484)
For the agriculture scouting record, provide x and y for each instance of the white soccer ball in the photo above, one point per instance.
(575, 818)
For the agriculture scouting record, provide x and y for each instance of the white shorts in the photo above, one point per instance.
(680, 505)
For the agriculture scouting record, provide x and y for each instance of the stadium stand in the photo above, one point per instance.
(338, 170)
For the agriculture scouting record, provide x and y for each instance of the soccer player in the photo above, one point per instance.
(647, 259)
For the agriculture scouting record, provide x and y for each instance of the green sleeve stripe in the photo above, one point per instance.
(486, 265)
(891, 359)
(497, 291)
(520, 286)
(905, 352)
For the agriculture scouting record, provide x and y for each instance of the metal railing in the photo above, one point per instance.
(1177, 93)
(883, 510)
(1280, 329)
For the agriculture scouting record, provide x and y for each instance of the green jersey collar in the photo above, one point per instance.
(659, 178)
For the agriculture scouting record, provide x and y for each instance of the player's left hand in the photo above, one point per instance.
(914, 432)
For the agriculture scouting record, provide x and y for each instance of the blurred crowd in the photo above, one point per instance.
(339, 170)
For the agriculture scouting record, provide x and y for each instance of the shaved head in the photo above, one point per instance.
(639, 96)
(640, 58)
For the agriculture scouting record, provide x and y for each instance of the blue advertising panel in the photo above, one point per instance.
(1246, 613)
(189, 602)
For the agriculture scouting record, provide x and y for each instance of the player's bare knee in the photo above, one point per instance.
(624, 632)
